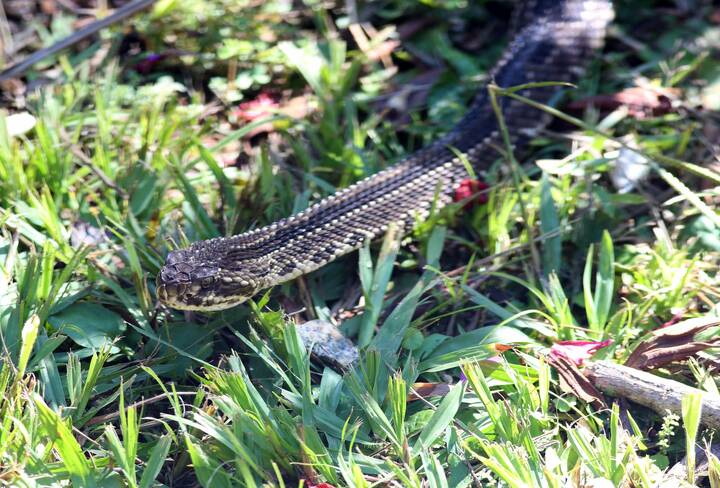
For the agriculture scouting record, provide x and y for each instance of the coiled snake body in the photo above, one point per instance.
(554, 40)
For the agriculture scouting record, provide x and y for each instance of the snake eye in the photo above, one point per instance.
(206, 282)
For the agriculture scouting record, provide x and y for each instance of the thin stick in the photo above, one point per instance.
(6, 40)
(122, 13)
(77, 152)
(101, 419)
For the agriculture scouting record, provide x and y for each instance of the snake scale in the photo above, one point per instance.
(554, 40)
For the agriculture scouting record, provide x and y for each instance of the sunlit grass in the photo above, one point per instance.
(101, 387)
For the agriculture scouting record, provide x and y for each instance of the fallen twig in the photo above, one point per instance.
(122, 13)
(649, 390)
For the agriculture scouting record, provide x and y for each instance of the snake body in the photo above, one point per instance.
(553, 42)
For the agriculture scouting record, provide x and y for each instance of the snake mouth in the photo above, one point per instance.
(177, 296)
(172, 293)
(187, 296)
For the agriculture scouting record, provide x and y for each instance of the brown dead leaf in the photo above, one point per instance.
(577, 351)
(427, 390)
(297, 107)
(672, 343)
(642, 102)
(574, 382)
(259, 107)
(48, 7)
(12, 86)
(376, 45)
(715, 16)
(228, 154)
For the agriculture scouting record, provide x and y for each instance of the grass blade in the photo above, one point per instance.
(441, 419)
(29, 336)
(156, 461)
(375, 292)
(549, 225)
(691, 410)
(433, 470)
(590, 309)
(63, 440)
(388, 339)
(604, 280)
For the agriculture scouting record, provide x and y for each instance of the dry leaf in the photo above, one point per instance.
(574, 382)
(427, 390)
(672, 343)
(642, 102)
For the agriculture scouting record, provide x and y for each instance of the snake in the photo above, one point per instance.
(553, 41)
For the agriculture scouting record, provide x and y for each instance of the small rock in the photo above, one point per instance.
(19, 123)
(326, 343)
(631, 168)
(84, 234)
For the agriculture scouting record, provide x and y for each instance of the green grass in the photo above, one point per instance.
(101, 387)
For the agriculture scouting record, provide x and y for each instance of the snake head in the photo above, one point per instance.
(190, 280)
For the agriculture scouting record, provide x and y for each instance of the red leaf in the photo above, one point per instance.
(577, 351)
(472, 191)
(674, 319)
(260, 107)
(266, 105)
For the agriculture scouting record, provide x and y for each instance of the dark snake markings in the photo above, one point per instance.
(554, 41)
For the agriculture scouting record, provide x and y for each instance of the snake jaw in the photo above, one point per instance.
(185, 284)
